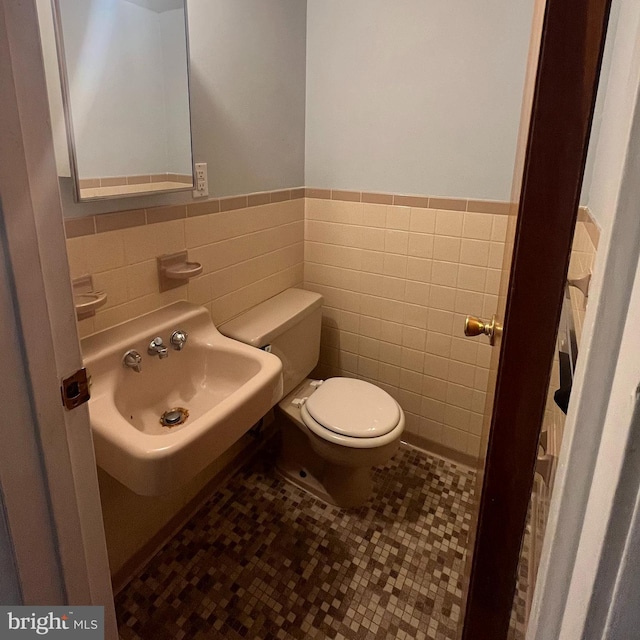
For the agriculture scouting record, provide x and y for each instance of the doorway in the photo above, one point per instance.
(567, 232)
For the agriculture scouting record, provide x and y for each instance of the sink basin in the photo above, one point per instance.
(215, 389)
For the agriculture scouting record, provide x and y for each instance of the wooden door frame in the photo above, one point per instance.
(566, 83)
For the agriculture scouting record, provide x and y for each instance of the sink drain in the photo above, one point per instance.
(174, 417)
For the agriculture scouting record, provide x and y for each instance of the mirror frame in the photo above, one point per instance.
(66, 103)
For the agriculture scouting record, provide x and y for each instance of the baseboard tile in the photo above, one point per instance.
(440, 450)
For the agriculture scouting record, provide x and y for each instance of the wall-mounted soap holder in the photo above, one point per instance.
(174, 269)
(85, 298)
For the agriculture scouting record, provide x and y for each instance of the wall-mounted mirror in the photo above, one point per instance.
(124, 73)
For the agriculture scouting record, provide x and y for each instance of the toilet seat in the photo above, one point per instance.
(353, 413)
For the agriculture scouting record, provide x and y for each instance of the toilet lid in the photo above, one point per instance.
(353, 408)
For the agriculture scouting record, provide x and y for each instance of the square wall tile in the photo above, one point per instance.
(374, 215)
(417, 293)
(444, 273)
(449, 223)
(398, 218)
(478, 226)
(440, 321)
(499, 229)
(454, 438)
(442, 297)
(420, 245)
(419, 269)
(437, 366)
(423, 220)
(434, 388)
(446, 248)
(472, 278)
(475, 252)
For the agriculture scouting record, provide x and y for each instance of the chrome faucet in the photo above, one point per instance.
(132, 360)
(157, 348)
(178, 339)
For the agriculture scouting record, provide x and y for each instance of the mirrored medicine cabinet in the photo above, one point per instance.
(124, 73)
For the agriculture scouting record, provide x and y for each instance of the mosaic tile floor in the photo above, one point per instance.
(265, 560)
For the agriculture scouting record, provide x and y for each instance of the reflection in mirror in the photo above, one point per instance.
(124, 71)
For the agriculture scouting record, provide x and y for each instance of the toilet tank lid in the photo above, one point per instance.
(261, 324)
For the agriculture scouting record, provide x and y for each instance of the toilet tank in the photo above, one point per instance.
(289, 324)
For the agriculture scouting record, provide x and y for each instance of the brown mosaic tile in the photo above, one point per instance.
(264, 559)
(296, 194)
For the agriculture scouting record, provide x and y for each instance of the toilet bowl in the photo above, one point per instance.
(333, 431)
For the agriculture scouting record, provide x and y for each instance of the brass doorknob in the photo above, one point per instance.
(475, 327)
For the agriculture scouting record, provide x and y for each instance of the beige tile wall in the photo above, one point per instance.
(398, 282)
(248, 255)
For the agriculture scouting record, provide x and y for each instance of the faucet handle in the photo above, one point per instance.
(132, 360)
(178, 339)
(157, 348)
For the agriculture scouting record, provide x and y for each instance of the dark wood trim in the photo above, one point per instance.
(570, 58)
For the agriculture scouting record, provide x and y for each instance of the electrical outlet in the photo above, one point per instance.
(202, 181)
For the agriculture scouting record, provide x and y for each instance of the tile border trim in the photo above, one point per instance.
(89, 225)
(415, 201)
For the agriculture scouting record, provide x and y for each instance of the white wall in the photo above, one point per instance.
(247, 92)
(414, 96)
